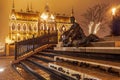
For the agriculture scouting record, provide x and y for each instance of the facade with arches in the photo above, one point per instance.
(24, 24)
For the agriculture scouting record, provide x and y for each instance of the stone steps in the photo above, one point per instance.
(44, 66)
(23, 73)
(43, 58)
(42, 73)
(37, 66)
(94, 61)
(50, 54)
(100, 65)
(112, 38)
(79, 73)
(105, 44)
(51, 65)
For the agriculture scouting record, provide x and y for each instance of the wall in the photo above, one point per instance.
(4, 15)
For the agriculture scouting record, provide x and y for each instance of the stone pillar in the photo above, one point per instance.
(7, 49)
(60, 44)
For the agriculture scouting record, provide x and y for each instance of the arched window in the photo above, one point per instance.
(47, 27)
(62, 28)
(30, 27)
(13, 26)
(24, 27)
(52, 28)
(41, 26)
(35, 28)
(19, 27)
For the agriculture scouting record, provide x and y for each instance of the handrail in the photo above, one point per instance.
(26, 46)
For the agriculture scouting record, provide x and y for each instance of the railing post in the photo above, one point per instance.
(56, 36)
(15, 54)
(48, 35)
(27, 44)
(33, 43)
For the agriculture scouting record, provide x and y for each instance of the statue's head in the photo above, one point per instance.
(72, 19)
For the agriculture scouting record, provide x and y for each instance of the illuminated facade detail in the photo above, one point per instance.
(47, 21)
(28, 23)
(23, 24)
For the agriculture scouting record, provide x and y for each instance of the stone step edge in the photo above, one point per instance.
(72, 73)
(89, 62)
(97, 50)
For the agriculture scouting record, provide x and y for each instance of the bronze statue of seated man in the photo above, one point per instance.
(76, 37)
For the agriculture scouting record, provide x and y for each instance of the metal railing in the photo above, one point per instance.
(26, 46)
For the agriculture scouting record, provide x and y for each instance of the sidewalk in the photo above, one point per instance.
(6, 70)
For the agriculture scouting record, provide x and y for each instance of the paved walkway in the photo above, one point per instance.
(6, 70)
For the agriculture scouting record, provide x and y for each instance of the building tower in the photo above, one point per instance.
(23, 24)
(31, 8)
(47, 9)
(27, 9)
(13, 7)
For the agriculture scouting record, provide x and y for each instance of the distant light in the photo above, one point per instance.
(113, 11)
(14, 37)
(13, 17)
(44, 16)
(18, 34)
(2, 69)
(52, 17)
(27, 34)
(8, 40)
(18, 68)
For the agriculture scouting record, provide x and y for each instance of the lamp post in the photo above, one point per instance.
(113, 12)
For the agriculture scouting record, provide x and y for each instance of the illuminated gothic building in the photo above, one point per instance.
(25, 24)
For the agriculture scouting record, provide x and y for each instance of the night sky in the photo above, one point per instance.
(57, 6)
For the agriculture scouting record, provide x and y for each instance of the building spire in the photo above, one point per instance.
(13, 6)
(47, 9)
(31, 7)
(27, 8)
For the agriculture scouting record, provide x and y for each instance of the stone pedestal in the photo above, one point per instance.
(9, 50)
(112, 38)
(60, 44)
(105, 44)
(112, 41)
(96, 50)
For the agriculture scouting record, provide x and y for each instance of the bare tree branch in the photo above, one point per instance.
(96, 13)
